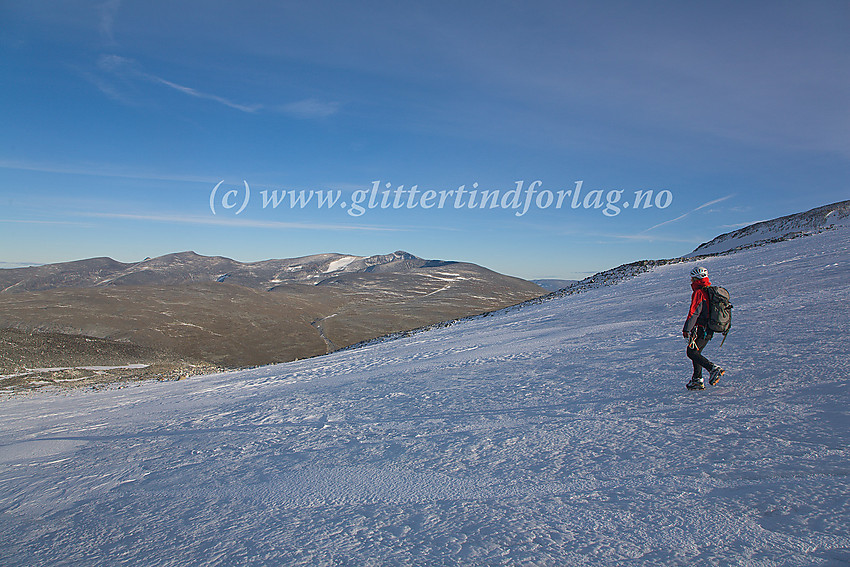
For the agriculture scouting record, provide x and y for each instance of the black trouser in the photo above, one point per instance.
(701, 338)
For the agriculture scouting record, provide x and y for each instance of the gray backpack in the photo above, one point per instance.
(719, 309)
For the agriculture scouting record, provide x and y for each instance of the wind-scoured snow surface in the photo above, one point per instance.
(556, 434)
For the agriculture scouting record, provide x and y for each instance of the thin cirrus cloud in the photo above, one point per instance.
(44, 222)
(310, 108)
(107, 20)
(238, 223)
(100, 170)
(250, 108)
(127, 70)
(680, 217)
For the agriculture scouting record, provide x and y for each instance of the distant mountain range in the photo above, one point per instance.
(233, 314)
(189, 268)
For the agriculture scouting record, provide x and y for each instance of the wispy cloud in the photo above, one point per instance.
(250, 108)
(100, 170)
(680, 217)
(587, 233)
(107, 19)
(126, 70)
(641, 237)
(714, 202)
(239, 223)
(310, 108)
(742, 224)
(44, 222)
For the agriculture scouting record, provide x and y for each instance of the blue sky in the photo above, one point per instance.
(120, 118)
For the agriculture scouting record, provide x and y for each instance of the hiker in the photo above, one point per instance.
(697, 332)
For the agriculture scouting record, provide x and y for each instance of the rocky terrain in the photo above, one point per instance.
(30, 361)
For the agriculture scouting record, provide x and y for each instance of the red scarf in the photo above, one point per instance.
(699, 284)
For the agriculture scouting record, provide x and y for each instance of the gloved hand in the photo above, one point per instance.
(686, 334)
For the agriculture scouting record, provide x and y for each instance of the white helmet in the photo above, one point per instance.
(699, 272)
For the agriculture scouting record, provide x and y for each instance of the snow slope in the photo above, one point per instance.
(556, 434)
(782, 228)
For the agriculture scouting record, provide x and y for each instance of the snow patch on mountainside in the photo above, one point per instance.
(341, 263)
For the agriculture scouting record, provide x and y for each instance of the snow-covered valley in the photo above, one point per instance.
(553, 434)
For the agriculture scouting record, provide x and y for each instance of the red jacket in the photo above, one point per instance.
(698, 313)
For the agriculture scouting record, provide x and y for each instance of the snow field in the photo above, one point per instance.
(556, 434)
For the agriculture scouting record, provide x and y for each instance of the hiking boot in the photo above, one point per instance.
(695, 384)
(714, 375)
